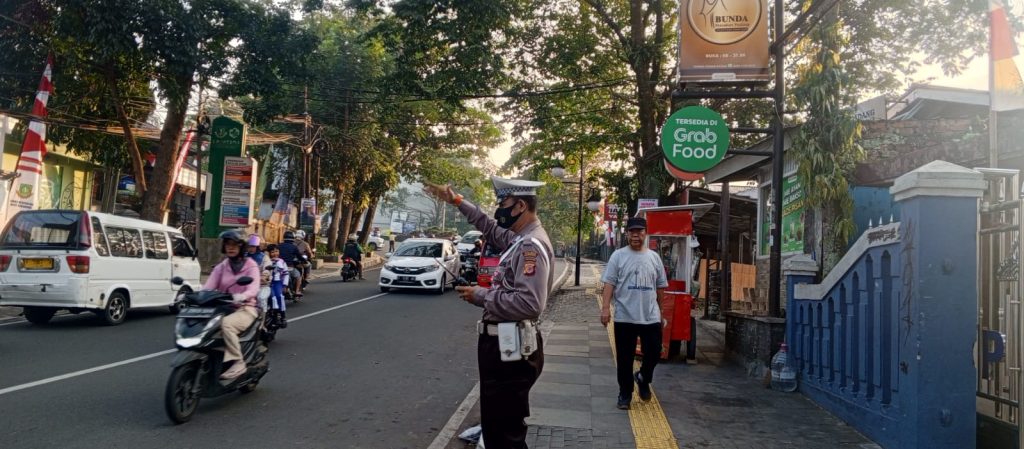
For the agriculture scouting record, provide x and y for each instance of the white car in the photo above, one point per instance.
(88, 261)
(467, 241)
(424, 264)
(376, 242)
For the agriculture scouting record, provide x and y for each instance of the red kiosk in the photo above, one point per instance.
(670, 233)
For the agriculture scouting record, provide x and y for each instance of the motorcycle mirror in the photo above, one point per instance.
(177, 280)
(244, 280)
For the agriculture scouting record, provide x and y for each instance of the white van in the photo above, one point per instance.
(78, 260)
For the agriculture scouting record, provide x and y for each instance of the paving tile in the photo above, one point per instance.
(543, 387)
(603, 380)
(564, 378)
(566, 368)
(564, 353)
(560, 418)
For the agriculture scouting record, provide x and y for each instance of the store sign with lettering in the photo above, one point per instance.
(694, 139)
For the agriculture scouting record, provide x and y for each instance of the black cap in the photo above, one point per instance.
(636, 223)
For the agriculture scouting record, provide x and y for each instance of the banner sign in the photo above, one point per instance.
(646, 203)
(723, 41)
(694, 139)
(237, 192)
(792, 219)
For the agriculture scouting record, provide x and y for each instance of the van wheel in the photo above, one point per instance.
(39, 315)
(115, 311)
(179, 300)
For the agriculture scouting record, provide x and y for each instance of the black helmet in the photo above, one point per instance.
(234, 236)
(289, 235)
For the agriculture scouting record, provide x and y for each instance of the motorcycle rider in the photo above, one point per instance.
(290, 253)
(306, 250)
(355, 252)
(224, 278)
(255, 252)
(278, 271)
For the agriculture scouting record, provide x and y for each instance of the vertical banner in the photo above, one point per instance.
(792, 219)
(1007, 89)
(237, 192)
(33, 150)
(307, 216)
(723, 41)
(227, 139)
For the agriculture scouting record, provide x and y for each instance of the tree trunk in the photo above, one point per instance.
(346, 224)
(129, 135)
(368, 221)
(332, 232)
(155, 201)
(357, 216)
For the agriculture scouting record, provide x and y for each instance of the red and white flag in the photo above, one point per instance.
(25, 194)
(1007, 89)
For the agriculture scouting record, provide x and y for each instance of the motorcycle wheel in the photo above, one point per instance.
(249, 387)
(179, 401)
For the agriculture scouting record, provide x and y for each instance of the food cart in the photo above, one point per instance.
(670, 233)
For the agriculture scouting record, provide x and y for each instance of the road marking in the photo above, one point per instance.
(83, 372)
(450, 428)
(647, 419)
(448, 431)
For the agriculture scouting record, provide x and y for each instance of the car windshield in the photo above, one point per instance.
(420, 249)
(51, 229)
(472, 238)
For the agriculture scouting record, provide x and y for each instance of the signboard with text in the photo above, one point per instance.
(723, 41)
(646, 203)
(237, 192)
(792, 219)
(694, 139)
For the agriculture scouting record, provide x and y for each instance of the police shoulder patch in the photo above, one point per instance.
(529, 262)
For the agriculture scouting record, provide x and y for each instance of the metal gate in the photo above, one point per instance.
(999, 350)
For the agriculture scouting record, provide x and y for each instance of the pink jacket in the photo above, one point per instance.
(223, 279)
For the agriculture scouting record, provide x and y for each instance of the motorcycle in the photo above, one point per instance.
(199, 363)
(349, 270)
(470, 267)
(272, 317)
(297, 267)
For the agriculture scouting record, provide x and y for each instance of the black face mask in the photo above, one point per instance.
(504, 216)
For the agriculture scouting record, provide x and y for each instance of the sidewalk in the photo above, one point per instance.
(8, 314)
(712, 404)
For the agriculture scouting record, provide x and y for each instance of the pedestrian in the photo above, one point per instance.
(512, 305)
(391, 242)
(635, 279)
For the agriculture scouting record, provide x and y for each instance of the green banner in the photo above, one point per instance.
(792, 219)
(694, 139)
(227, 139)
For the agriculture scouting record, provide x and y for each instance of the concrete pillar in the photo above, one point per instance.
(938, 305)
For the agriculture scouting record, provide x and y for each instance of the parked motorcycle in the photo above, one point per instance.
(197, 368)
(349, 270)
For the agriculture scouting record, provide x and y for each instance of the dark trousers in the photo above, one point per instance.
(625, 350)
(505, 393)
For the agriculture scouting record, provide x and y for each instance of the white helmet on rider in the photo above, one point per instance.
(300, 234)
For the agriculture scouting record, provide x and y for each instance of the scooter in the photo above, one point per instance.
(271, 318)
(199, 363)
(349, 270)
(470, 268)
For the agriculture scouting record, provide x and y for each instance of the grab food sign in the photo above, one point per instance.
(694, 139)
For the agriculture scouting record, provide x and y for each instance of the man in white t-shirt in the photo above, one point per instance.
(635, 279)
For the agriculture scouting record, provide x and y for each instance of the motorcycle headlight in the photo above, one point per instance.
(431, 268)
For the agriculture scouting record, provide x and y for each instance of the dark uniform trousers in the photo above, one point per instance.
(505, 393)
(626, 335)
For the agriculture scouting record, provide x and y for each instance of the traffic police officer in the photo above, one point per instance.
(518, 293)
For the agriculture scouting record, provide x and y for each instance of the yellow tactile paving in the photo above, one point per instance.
(650, 426)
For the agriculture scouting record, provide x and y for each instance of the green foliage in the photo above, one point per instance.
(827, 147)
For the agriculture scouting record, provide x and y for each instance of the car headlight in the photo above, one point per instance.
(389, 267)
(431, 268)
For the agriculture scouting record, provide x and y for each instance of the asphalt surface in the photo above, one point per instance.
(386, 372)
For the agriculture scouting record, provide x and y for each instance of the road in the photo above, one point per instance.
(386, 372)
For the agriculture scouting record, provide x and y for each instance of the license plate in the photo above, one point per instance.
(406, 278)
(37, 264)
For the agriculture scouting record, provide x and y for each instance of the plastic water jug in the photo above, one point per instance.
(783, 374)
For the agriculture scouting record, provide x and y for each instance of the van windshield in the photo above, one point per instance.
(47, 229)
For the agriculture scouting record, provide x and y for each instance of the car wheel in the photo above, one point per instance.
(373, 247)
(115, 311)
(39, 315)
(444, 282)
(385, 289)
(179, 300)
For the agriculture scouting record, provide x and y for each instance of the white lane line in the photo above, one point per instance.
(449, 430)
(22, 320)
(83, 372)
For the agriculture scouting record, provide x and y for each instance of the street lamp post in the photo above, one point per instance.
(592, 204)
